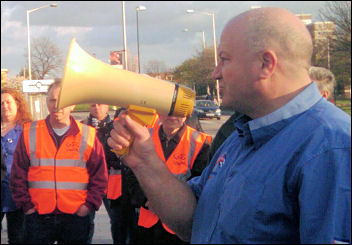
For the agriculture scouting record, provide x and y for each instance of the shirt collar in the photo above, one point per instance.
(101, 123)
(18, 127)
(260, 130)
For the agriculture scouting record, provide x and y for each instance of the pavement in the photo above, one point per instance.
(102, 233)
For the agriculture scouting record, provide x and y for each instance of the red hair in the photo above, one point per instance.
(23, 113)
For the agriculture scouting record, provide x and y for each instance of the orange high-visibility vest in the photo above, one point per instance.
(179, 163)
(114, 184)
(57, 177)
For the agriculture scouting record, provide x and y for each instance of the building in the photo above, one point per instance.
(322, 34)
(321, 31)
(3, 76)
(305, 18)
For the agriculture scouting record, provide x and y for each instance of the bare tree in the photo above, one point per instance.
(155, 67)
(339, 12)
(46, 58)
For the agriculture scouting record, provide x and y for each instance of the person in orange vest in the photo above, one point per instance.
(119, 198)
(185, 152)
(58, 175)
(99, 118)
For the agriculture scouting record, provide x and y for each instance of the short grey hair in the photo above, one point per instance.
(324, 78)
(57, 82)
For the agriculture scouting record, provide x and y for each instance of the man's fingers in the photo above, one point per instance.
(138, 131)
(120, 137)
(125, 131)
(115, 145)
(120, 131)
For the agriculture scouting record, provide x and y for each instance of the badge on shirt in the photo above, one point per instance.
(221, 160)
(218, 164)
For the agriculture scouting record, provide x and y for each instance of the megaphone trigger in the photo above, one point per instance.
(142, 115)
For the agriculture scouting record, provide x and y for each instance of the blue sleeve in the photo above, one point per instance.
(197, 183)
(325, 198)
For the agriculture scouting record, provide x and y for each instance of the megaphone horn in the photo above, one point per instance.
(88, 80)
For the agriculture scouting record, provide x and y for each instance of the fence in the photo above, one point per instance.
(37, 105)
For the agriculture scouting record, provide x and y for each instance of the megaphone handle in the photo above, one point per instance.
(142, 115)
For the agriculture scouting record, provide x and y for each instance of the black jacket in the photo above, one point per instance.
(103, 128)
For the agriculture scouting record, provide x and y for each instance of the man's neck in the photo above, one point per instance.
(275, 97)
(100, 118)
(58, 125)
(170, 132)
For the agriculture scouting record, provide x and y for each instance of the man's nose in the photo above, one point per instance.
(56, 105)
(216, 74)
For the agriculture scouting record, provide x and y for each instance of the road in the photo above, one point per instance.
(102, 234)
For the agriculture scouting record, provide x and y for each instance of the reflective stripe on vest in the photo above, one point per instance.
(114, 184)
(155, 121)
(179, 163)
(58, 177)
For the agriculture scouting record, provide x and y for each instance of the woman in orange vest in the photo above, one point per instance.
(185, 151)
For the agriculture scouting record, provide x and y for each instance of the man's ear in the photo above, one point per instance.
(268, 60)
(325, 94)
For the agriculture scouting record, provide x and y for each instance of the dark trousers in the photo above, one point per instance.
(48, 228)
(156, 235)
(15, 226)
(92, 217)
(123, 222)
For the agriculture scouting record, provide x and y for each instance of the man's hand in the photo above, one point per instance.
(82, 211)
(30, 211)
(140, 149)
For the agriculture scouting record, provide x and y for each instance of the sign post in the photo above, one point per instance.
(35, 94)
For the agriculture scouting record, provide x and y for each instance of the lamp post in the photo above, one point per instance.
(139, 8)
(29, 40)
(124, 36)
(191, 11)
(187, 30)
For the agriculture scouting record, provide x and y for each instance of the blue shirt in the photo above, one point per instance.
(8, 146)
(281, 178)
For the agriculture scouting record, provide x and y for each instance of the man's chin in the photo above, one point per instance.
(226, 104)
(57, 116)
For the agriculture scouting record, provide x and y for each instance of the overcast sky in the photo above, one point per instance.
(97, 27)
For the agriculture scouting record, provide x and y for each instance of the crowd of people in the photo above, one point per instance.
(277, 171)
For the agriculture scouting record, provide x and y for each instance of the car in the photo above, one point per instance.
(207, 109)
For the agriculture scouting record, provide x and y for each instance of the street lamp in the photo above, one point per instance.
(191, 11)
(29, 40)
(139, 8)
(124, 35)
(187, 30)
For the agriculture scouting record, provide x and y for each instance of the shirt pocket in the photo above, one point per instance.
(238, 207)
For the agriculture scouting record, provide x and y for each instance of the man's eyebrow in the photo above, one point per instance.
(223, 53)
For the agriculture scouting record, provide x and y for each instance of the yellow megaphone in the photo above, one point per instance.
(88, 80)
